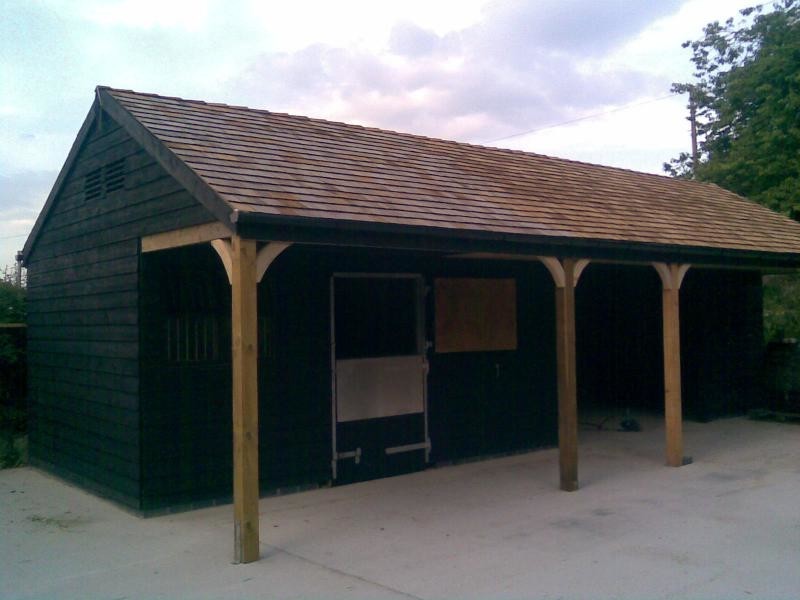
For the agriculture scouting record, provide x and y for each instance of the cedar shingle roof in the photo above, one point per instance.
(263, 162)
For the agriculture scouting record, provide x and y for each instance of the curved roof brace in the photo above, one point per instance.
(556, 268)
(264, 259)
(267, 255)
(671, 274)
(223, 248)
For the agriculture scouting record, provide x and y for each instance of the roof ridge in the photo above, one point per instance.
(417, 136)
(188, 100)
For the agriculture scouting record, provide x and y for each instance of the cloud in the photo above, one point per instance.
(577, 27)
(21, 198)
(408, 39)
(524, 65)
(23, 193)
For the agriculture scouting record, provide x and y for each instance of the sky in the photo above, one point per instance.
(582, 79)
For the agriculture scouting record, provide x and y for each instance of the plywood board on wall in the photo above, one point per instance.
(475, 315)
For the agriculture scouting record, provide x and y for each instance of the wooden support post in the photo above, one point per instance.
(245, 399)
(565, 275)
(671, 279)
(567, 382)
(672, 378)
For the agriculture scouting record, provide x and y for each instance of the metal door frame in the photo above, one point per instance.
(422, 350)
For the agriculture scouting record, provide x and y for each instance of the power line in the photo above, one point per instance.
(584, 118)
(11, 237)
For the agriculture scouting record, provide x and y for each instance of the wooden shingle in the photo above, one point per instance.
(278, 164)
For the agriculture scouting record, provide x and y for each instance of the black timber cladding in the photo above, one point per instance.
(480, 402)
(83, 319)
(619, 340)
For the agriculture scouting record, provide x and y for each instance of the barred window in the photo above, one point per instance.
(193, 338)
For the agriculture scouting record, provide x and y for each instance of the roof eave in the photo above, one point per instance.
(409, 237)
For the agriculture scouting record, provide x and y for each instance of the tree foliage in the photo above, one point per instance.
(746, 92)
(12, 310)
(781, 310)
(747, 95)
(12, 303)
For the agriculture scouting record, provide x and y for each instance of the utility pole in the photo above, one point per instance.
(693, 121)
(18, 274)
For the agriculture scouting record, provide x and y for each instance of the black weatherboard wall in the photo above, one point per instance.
(722, 332)
(480, 402)
(185, 378)
(619, 340)
(83, 319)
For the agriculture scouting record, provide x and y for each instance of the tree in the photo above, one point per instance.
(12, 310)
(12, 303)
(746, 93)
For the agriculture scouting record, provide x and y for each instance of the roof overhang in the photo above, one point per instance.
(377, 234)
(399, 237)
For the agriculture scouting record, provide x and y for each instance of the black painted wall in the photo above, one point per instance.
(185, 403)
(479, 402)
(619, 341)
(491, 402)
(83, 315)
(722, 336)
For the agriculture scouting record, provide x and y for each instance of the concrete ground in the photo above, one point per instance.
(727, 526)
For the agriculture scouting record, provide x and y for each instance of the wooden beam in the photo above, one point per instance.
(508, 256)
(197, 234)
(565, 275)
(245, 399)
(671, 278)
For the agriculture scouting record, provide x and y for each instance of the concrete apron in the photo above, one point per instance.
(727, 526)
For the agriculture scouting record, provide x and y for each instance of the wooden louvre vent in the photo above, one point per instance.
(93, 185)
(102, 181)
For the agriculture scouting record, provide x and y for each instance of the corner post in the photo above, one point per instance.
(671, 278)
(245, 399)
